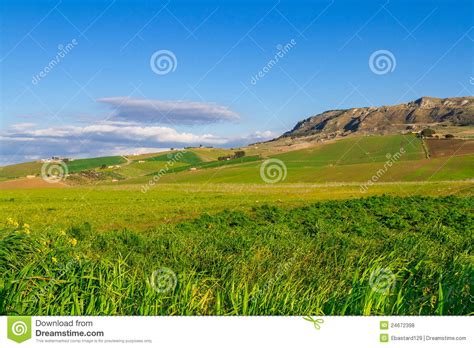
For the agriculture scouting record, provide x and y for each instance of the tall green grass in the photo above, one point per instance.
(328, 258)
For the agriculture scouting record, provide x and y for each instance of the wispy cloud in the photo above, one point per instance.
(168, 112)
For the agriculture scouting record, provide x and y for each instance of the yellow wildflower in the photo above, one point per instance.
(26, 226)
(62, 233)
(55, 260)
(73, 241)
(13, 222)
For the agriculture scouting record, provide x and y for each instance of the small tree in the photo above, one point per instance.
(427, 132)
(239, 154)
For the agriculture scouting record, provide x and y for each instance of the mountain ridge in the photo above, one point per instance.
(387, 119)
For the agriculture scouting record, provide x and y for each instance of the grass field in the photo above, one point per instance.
(90, 163)
(220, 240)
(19, 170)
(187, 157)
(110, 207)
(357, 150)
(380, 255)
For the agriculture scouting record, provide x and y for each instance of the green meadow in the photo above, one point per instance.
(184, 233)
(372, 256)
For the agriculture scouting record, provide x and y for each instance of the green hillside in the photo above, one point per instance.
(19, 170)
(90, 163)
(351, 159)
(356, 150)
(183, 157)
(355, 159)
(34, 168)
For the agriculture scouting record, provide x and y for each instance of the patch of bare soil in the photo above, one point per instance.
(449, 147)
(25, 183)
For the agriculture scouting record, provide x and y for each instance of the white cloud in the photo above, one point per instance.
(254, 137)
(22, 126)
(108, 132)
(264, 135)
(168, 112)
(19, 144)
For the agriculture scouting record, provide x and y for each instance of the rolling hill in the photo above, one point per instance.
(337, 146)
(354, 159)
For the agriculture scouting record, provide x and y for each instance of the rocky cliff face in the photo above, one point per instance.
(388, 119)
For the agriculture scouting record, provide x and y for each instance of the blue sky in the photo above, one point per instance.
(104, 95)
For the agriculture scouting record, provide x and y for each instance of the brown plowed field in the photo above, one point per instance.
(449, 147)
(25, 183)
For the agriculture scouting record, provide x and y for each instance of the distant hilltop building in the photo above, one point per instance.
(56, 159)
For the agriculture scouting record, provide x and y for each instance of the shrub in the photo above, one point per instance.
(427, 132)
(239, 154)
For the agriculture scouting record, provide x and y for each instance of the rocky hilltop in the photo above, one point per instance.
(423, 112)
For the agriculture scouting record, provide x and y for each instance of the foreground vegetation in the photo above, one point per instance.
(108, 208)
(377, 255)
